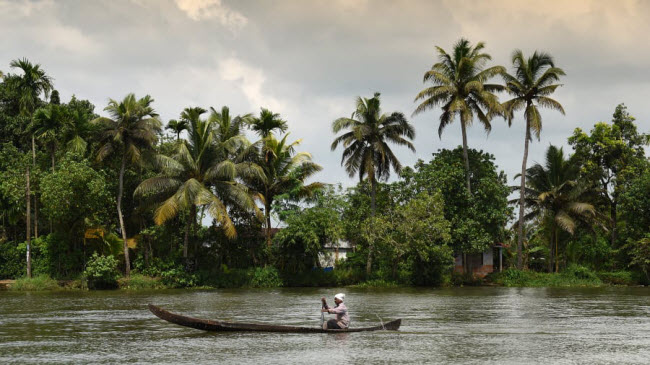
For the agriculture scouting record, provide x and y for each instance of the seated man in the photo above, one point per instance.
(342, 320)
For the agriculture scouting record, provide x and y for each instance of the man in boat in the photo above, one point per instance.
(342, 320)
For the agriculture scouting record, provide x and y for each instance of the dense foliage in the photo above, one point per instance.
(100, 197)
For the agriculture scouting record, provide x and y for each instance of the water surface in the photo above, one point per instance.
(481, 325)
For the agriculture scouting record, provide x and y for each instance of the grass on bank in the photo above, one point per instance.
(573, 276)
(36, 283)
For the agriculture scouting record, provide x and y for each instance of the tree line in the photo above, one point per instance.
(80, 183)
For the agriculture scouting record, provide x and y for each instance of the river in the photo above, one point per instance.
(481, 325)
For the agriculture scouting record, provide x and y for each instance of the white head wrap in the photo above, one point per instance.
(340, 296)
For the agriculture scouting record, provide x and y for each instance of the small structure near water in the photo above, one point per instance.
(333, 252)
(481, 264)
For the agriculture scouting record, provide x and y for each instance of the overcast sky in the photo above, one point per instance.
(309, 60)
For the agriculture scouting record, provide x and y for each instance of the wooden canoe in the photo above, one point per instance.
(220, 326)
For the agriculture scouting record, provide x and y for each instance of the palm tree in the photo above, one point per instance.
(177, 126)
(131, 131)
(556, 198)
(48, 125)
(77, 131)
(30, 86)
(366, 150)
(266, 123)
(284, 172)
(530, 87)
(459, 86)
(199, 175)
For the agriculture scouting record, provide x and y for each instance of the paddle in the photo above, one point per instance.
(322, 314)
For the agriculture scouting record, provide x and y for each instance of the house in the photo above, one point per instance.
(333, 252)
(481, 264)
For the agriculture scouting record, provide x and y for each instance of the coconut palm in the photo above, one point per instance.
(534, 80)
(130, 132)
(459, 86)
(177, 126)
(366, 145)
(48, 125)
(228, 131)
(284, 172)
(199, 175)
(266, 123)
(556, 198)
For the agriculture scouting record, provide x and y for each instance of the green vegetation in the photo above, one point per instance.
(36, 283)
(584, 215)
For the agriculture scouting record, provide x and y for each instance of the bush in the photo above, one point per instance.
(581, 272)
(140, 282)
(379, 283)
(265, 277)
(40, 282)
(178, 278)
(101, 272)
(617, 277)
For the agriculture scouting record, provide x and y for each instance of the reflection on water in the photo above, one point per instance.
(456, 325)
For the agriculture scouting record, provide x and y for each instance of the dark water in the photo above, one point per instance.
(458, 325)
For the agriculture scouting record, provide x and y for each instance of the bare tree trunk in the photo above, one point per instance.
(127, 263)
(29, 235)
(614, 236)
(522, 203)
(557, 252)
(53, 157)
(551, 249)
(465, 155)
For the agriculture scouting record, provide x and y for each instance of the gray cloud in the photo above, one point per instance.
(309, 59)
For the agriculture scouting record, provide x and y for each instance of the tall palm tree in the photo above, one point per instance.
(30, 86)
(199, 175)
(130, 132)
(177, 126)
(266, 123)
(366, 145)
(556, 198)
(533, 82)
(48, 124)
(284, 171)
(459, 86)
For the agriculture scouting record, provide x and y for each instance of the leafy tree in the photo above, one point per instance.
(557, 198)
(459, 86)
(635, 207)
(640, 254)
(308, 230)
(75, 194)
(610, 157)
(130, 132)
(530, 87)
(478, 220)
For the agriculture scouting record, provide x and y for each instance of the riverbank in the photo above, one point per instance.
(575, 276)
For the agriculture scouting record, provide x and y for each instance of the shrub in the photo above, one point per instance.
(379, 283)
(139, 282)
(101, 272)
(265, 277)
(581, 272)
(178, 278)
(617, 277)
(40, 282)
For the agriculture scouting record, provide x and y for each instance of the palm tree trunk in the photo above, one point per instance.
(522, 206)
(557, 252)
(53, 155)
(127, 263)
(267, 213)
(371, 246)
(552, 244)
(465, 155)
(35, 201)
(29, 235)
(186, 241)
(614, 222)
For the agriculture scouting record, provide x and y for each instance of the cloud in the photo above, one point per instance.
(212, 9)
(250, 81)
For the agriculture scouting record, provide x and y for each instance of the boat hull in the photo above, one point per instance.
(221, 326)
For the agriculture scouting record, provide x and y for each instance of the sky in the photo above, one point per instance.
(310, 60)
